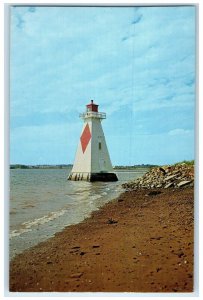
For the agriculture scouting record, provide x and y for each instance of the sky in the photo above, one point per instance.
(137, 63)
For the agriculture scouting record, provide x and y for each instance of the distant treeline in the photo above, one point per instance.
(135, 166)
(19, 166)
(64, 166)
(186, 162)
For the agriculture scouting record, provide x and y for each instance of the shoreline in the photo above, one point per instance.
(76, 202)
(13, 253)
(134, 243)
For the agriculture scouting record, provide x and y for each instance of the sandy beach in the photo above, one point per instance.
(140, 242)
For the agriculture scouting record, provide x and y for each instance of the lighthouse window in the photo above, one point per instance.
(99, 146)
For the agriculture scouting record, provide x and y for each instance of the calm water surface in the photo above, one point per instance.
(43, 202)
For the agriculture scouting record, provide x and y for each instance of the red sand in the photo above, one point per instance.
(149, 249)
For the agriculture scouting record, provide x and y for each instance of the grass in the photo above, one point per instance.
(186, 162)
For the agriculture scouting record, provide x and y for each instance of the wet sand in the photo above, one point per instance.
(139, 242)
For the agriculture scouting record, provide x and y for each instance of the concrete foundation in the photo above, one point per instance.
(93, 177)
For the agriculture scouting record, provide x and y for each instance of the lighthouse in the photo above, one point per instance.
(92, 160)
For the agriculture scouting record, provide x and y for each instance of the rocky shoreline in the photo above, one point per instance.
(175, 176)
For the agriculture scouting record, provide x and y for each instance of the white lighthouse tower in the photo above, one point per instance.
(92, 161)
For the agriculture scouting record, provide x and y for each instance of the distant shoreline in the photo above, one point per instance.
(121, 167)
(21, 166)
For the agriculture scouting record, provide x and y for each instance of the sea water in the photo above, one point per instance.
(43, 202)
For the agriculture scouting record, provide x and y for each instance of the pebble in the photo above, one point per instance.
(76, 275)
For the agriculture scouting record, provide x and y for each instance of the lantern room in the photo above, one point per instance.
(92, 106)
(92, 112)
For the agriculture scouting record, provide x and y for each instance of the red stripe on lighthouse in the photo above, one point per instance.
(85, 138)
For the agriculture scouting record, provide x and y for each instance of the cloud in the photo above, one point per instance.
(180, 131)
(136, 62)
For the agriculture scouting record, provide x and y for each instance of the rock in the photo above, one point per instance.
(183, 183)
(177, 172)
(168, 185)
(170, 177)
(76, 275)
(179, 253)
(111, 221)
(95, 246)
(74, 251)
(156, 238)
(162, 170)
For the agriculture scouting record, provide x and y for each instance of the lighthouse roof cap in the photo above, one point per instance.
(92, 103)
(92, 106)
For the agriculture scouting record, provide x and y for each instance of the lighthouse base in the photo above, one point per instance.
(93, 177)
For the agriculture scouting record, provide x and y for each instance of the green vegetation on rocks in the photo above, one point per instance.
(186, 162)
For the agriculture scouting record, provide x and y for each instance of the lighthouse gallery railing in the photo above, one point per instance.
(91, 114)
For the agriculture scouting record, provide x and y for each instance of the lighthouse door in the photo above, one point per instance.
(102, 165)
